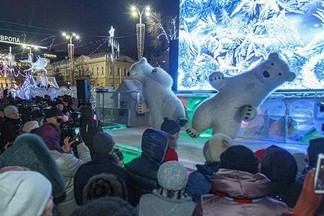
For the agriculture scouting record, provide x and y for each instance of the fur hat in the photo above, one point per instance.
(170, 126)
(239, 157)
(30, 125)
(172, 175)
(103, 143)
(9, 110)
(24, 193)
(214, 147)
(315, 147)
(104, 185)
(53, 112)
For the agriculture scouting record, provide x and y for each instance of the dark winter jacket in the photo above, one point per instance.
(143, 170)
(100, 164)
(281, 168)
(88, 127)
(199, 180)
(239, 193)
(10, 129)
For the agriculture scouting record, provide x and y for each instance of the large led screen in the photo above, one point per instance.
(233, 35)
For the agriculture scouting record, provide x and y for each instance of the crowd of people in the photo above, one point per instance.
(43, 172)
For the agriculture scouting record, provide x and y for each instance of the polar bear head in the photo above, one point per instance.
(140, 70)
(273, 71)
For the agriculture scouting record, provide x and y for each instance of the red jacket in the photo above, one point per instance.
(171, 155)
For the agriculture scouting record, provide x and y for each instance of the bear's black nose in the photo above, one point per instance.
(266, 74)
(128, 73)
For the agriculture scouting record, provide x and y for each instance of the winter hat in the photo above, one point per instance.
(170, 126)
(29, 150)
(214, 147)
(30, 125)
(9, 110)
(279, 165)
(315, 147)
(53, 112)
(172, 175)
(23, 193)
(239, 157)
(104, 185)
(103, 143)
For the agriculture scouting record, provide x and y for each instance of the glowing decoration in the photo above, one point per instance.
(140, 28)
(114, 51)
(233, 35)
(63, 90)
(39, 65)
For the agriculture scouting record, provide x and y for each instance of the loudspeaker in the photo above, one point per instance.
(83, 89)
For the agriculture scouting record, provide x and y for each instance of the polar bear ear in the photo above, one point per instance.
(143, 60)
(273, 56)
(291, 76)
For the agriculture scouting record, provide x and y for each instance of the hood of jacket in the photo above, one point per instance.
(240, 184)
(154, 144)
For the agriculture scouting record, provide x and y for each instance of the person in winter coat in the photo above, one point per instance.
(238, 188)
(173, 128)
(66, 162)
(103, 162)
(170, 198)
(281, 168)
(10, 128)
(199, 180)
(315, 147)
(143, 170)
(88, 127)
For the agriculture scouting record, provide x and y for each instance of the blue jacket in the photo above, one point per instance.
(199, 180)
(143, 170)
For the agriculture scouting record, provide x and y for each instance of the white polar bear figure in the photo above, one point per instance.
(159, 100)
(238, 97)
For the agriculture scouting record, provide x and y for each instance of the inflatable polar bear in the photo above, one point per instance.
(238, 97)
(159, 99)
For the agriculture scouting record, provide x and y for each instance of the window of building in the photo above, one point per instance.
(110, 71)
(97, 71)
(102, 70)
(125, 72)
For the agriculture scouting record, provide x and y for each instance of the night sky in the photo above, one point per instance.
(42, 22)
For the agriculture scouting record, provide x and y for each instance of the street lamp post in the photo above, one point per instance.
(70, 36)
(140, 28)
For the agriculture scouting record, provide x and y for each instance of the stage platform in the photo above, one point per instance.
(189, 149)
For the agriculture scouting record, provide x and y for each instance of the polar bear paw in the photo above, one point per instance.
(248, 113)
(141, 107)
(217, 80)
(193, 133)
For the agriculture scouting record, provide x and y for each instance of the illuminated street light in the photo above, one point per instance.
(70, 36)
(140, 28)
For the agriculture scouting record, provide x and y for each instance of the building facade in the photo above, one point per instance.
(98, 68)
